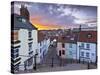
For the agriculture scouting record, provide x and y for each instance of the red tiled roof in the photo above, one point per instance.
(69, 38)
(88, 36)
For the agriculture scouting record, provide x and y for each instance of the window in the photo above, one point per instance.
(63, 52)
(14, 53)
(87, 55)
(15, 56)
(89, 35)
(72, 39)
(70, 45)
(59, 52)
(63, 45)
(87, 46)
(21, 19)
(82, 54)
(82, 45)
(16, 50)
(30, 46)
(92, 54)
(29, 34)
(70, 52)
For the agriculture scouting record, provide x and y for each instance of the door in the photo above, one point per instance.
(60, 53)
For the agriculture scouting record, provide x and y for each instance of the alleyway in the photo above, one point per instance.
(51, 58)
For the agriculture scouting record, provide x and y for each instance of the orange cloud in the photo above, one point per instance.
(36, 21)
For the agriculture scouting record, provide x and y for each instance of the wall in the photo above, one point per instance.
(59, 47)
(91, 50)
(71, 51)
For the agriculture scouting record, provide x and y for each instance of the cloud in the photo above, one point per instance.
(59, 14)
(67, 20)
(17, 6)
(65, 11)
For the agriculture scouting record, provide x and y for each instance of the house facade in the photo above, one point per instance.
(67, 46)
(71, 46)
(24, 32)
(43, 45)
(87, 46)
(27, 34)
(61, 47)
(71, 50)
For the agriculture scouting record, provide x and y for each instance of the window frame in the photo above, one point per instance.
(89, 35)
(70, 45)
(63, 45)
(87, 46)
(82, 54)
(63, 52)
(30, 34)
(82, 45)
(30, 46)
(87, 54)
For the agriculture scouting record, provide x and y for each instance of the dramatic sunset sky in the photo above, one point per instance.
(54, 16)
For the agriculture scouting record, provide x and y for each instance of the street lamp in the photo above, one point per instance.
(79, 53)
(35, 56)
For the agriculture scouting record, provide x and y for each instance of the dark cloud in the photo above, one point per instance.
(62, 13)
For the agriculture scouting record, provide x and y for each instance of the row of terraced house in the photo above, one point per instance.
(79, 45)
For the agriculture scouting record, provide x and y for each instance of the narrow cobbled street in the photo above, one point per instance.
(51, 58)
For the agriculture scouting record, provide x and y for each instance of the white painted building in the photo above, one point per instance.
(61, 51)
(43, 45)
(71, 50)
(67, 46)
(27, 34)
(87, 46)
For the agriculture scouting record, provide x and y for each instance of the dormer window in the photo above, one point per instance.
(21, 19)
(63, 45)
(71, 38)
(89, 35)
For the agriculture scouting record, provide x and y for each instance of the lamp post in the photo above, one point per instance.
(88, 65)
(79, 53)
(35, 56)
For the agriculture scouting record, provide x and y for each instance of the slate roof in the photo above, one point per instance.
(16, 24)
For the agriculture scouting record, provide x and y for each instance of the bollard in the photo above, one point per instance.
(88, 66)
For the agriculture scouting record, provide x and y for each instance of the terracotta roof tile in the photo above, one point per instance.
(88, 36)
